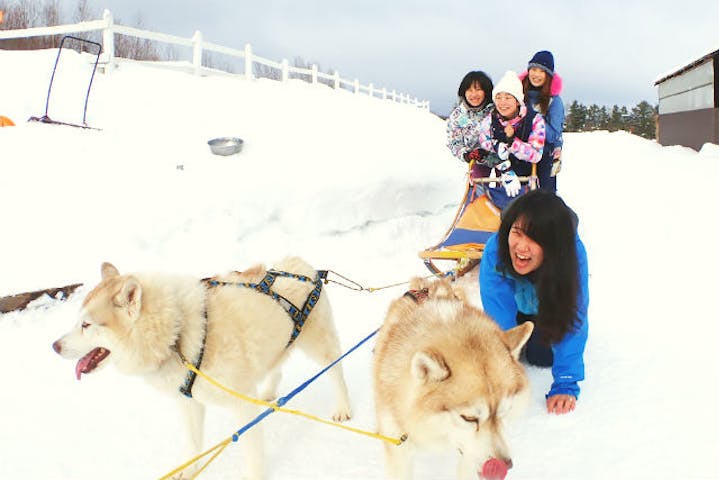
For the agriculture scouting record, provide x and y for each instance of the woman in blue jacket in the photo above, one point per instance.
(535, 269)
(542, 87)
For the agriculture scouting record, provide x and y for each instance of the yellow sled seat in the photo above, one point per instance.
(476, 220)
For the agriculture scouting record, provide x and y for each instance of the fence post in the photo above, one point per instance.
(285, 70)
(249, 74)
(314, 73)
(356, 86)
(384, 93)
(394, 95)
(197, 52)
(108, 41)
(370, 90)
(337, 80)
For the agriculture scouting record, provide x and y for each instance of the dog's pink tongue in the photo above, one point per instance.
(494, 469)
(90, 361)
(80, 367)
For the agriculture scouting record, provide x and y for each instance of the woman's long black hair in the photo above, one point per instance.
(484, 82)
(547, 220)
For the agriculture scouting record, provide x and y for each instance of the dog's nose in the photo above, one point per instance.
(57, 346)
(508, 462)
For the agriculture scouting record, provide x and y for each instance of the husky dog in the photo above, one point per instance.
(238, 335)
(445, 375)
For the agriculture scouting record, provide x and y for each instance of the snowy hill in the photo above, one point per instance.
(355, 185)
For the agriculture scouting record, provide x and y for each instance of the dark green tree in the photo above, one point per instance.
(576, 117)
(618, 118)
(643, 120)
(594, 117)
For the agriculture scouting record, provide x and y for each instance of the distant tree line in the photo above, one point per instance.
(47, 13)
(640, 120)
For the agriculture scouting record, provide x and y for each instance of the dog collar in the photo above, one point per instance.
(418, 296)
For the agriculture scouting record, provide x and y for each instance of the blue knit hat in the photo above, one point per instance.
(543, 60)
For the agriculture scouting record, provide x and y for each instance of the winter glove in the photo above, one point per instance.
(491, 159)
(510, 180)
(557, 163)
(556, 167)
(511, 183)
(473, 155)
(493, 176)
(503, 151)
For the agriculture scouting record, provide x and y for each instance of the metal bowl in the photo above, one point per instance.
(225, 145)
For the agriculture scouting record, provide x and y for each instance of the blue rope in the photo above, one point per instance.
(282, 401)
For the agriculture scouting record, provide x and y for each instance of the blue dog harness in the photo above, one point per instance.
(298, 315)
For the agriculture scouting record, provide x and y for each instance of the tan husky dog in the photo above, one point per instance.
(145, 323)
(446, 376)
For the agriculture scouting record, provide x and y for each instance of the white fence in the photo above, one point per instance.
(109, 29)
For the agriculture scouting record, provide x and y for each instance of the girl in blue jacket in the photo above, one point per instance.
(535, 269)
(542, 87)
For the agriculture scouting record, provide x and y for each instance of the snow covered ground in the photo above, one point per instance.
(358, 186)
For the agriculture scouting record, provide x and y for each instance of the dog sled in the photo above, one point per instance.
(477, 218)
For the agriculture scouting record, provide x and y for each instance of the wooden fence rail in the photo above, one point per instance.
(109, 29)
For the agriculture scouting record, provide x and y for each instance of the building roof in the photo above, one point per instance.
(703, 59)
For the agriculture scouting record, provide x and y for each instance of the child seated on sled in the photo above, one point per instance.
(474, 104)
(513, 136)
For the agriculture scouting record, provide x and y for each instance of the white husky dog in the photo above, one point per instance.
(446, 376)
(238, 335)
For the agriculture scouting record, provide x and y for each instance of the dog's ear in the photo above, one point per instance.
(516, 337)
(418, 283)
(429, 367)
(443, 288)
(129, 297)
(108, 270)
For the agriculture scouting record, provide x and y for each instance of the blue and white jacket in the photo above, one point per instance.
(554, 119)
(505, 295)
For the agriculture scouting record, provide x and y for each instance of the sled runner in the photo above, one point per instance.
(477, 218)
(46, 118)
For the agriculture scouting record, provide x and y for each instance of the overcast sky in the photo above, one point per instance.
(608, 51)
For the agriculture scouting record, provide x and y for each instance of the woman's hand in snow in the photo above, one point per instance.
(561, 404)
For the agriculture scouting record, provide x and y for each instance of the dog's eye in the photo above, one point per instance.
(85, 325)
(469, 419)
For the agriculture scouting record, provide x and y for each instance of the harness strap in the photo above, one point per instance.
(297, 314)
(418, 296)
(186, 388)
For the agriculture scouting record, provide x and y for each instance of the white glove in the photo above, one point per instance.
(511, 183)
(492, 175)
(503, 151)
(556, 167)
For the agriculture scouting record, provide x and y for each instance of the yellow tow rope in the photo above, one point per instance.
(277, 408)
(217, 449)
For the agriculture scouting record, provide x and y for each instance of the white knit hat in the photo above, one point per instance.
(510, 84)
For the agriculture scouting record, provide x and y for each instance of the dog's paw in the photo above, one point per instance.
(268, 395)
(342, 415)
